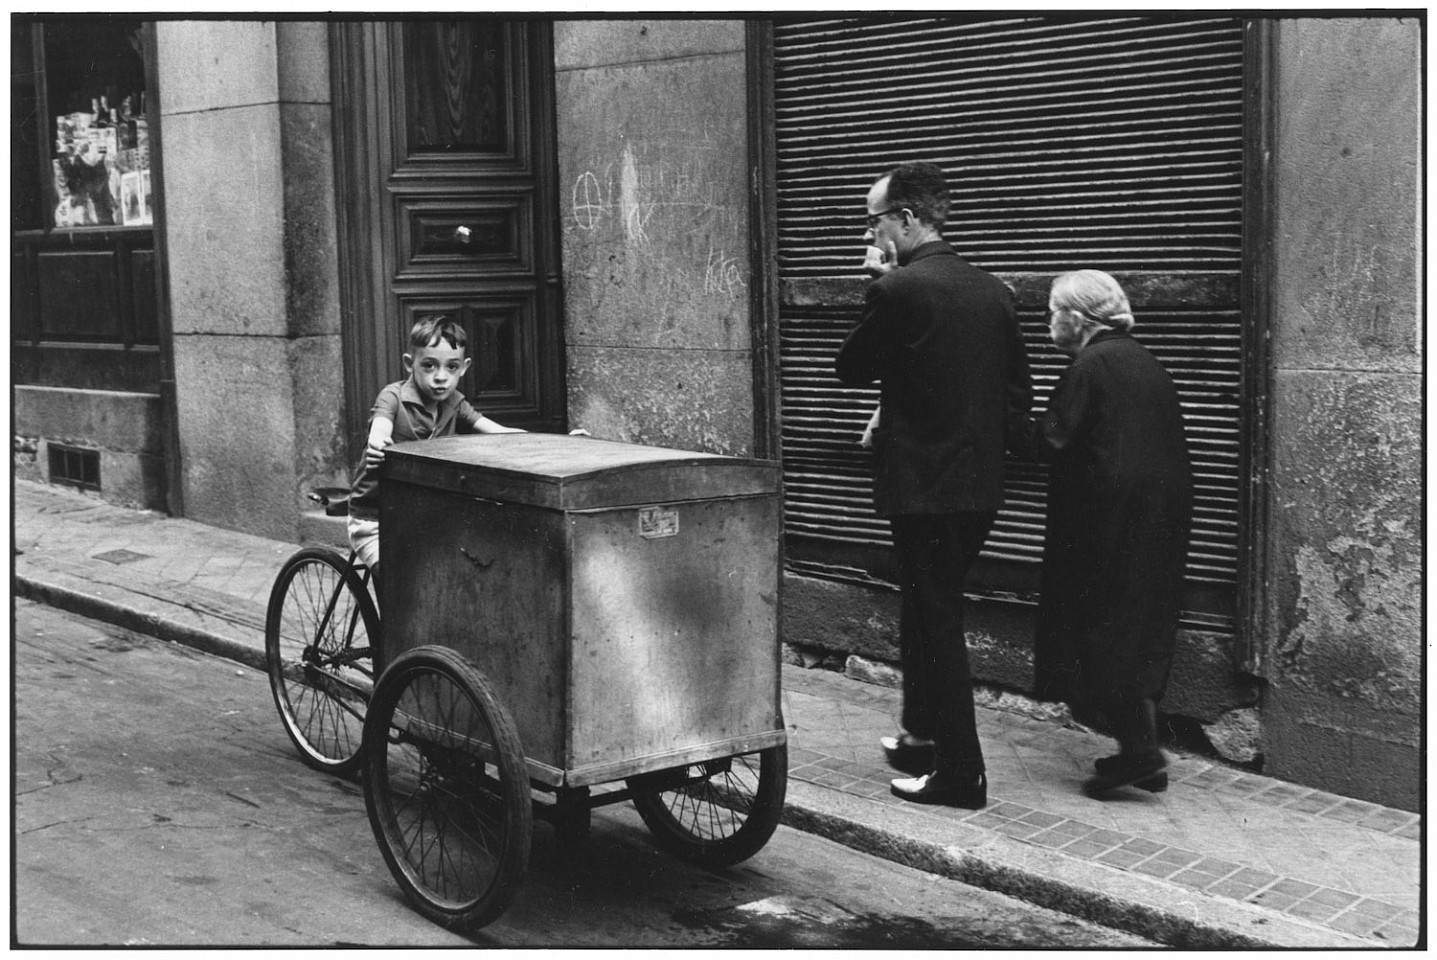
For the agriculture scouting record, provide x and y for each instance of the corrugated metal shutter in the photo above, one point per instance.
(1112, 143)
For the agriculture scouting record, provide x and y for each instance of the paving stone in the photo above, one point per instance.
(1144, 847)
(1122, 858)
(1234, 889)
(1086, 848)
(1158, 868)
(1294, 888)
(1378, 910)
(1177, 857)
(1357, 924)
(1333, 898)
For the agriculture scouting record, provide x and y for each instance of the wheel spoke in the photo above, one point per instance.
(446, 788)
(717, 812)
(319, 618)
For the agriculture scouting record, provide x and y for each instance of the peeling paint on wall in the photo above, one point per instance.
(1347, 480)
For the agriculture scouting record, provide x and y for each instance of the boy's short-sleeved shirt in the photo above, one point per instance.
(401, 403)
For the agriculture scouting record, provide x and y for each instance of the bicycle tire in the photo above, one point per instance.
(446, 788)
(721, 819)
(320, 657)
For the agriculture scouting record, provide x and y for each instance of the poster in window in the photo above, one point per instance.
(132, 199)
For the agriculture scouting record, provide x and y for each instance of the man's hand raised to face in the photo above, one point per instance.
(881, 259)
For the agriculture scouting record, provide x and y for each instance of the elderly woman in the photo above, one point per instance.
(1119, 510)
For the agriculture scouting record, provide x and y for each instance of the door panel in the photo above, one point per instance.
(457, 84)
(500, 236)
(447, 160)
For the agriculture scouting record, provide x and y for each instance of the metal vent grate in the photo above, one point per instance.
(1113, 143)
(74, 466)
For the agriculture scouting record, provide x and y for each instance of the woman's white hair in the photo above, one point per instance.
(1095, 295)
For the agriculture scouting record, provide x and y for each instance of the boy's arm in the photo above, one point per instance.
(485, 425)
(381, 435)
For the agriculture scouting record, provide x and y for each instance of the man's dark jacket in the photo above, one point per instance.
(942, 337)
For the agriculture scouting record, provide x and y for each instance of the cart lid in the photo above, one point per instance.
(574, 473)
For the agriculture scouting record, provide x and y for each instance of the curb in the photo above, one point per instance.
(149, 624)
(1113, 899)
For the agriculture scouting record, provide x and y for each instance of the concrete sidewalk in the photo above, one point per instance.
(1223, 859)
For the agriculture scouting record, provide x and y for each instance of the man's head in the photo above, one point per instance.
(907, 207)
(436, 359)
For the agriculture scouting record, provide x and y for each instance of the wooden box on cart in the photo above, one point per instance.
(621, 599)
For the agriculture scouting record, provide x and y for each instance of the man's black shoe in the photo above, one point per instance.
(1126, 772)
(1110, 766)
(908, 753)
(944, 789)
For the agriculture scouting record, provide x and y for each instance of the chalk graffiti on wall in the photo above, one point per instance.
(723, 274)
(663, 204)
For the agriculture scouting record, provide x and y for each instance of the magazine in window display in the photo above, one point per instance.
(132, 199)
(84, 193)
(106, 140)
(145, 195)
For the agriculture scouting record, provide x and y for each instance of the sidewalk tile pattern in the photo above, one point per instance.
(1229, 871)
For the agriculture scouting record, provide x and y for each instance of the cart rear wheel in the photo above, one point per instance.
(718, 812)
(319, 632)
(446, 788)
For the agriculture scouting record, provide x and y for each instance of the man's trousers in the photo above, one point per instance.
(935, 553)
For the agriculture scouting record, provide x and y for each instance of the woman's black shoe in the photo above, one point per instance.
(1108, 766)
(945, 789)
(1126, 772)
(908, 753)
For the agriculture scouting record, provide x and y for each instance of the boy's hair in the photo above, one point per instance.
(429, 330)
(922, 188)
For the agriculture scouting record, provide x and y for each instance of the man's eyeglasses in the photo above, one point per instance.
(873, 218)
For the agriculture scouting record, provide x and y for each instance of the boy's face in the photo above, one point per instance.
(436, 369)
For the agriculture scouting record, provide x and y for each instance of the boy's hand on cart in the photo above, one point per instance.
(374, 452)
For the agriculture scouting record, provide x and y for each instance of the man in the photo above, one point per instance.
(942, 338)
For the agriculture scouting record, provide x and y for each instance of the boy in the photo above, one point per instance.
(426, 405)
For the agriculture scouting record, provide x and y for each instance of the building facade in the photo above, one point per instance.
(650, 229)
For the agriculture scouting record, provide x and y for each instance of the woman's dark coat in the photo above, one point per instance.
(1119, 512)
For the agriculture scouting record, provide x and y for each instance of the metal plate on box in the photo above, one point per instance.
(655, 522)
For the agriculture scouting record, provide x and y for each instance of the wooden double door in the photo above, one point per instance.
(446, 183)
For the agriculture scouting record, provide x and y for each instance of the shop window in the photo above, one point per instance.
(82, 119)
(96, 108)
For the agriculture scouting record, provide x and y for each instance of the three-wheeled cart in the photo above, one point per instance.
(570, 622)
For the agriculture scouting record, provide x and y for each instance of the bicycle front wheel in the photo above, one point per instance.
(320, 632)
(447, 788)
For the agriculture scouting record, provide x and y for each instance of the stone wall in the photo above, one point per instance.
(125, 430)
(653, 187)
(250, 241)
(1343, 645)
